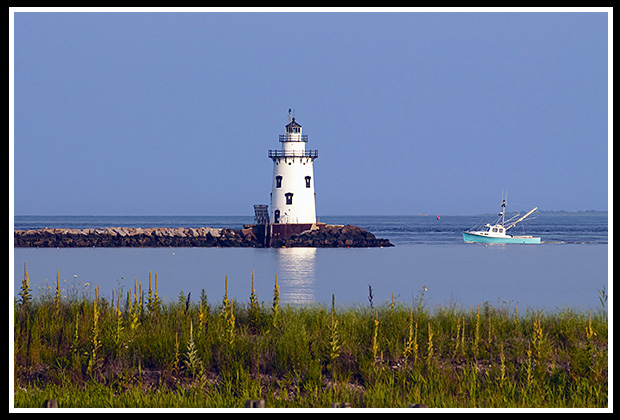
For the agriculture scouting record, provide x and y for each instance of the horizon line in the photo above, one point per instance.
(419, 214)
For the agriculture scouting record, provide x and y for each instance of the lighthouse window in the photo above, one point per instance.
(279, 181)
(308, 181)
(289, 198)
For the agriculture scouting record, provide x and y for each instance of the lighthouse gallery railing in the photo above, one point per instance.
(293, 137)
(294, 153)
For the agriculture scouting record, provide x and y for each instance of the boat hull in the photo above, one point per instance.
(471, 237)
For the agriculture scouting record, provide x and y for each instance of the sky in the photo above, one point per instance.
(411, 112)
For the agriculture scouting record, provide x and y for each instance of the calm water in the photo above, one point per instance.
(565, 271)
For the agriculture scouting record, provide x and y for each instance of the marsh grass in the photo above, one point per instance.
(140, 352)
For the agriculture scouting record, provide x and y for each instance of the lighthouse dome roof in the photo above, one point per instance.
(292, 124)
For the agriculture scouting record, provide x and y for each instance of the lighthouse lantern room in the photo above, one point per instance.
(292, 192)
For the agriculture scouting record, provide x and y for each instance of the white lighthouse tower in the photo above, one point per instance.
(292, 192)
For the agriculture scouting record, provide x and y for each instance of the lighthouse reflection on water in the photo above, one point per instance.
(296, 275)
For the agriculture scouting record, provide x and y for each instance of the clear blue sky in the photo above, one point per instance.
(173, 113)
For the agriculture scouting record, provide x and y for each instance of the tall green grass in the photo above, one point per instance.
(130, 349)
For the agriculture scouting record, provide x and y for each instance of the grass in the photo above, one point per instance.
(133, 350)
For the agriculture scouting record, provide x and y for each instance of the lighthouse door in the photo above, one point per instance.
(276, 216)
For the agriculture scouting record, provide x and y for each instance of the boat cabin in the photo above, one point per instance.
(493, 230)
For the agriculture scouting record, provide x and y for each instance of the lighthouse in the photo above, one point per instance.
(290, 218)
(293, 199)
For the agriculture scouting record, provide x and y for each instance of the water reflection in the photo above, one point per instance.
(296, 275)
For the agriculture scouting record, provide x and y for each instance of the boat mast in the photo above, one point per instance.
(526, 214)
(503, 213)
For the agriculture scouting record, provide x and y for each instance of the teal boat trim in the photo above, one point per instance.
(468, 237)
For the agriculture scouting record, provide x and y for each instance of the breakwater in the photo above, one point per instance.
(321, 236)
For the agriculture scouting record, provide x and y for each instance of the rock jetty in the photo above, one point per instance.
(330, 236)
(333, 236)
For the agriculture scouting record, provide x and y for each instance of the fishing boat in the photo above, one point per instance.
(496, 233)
